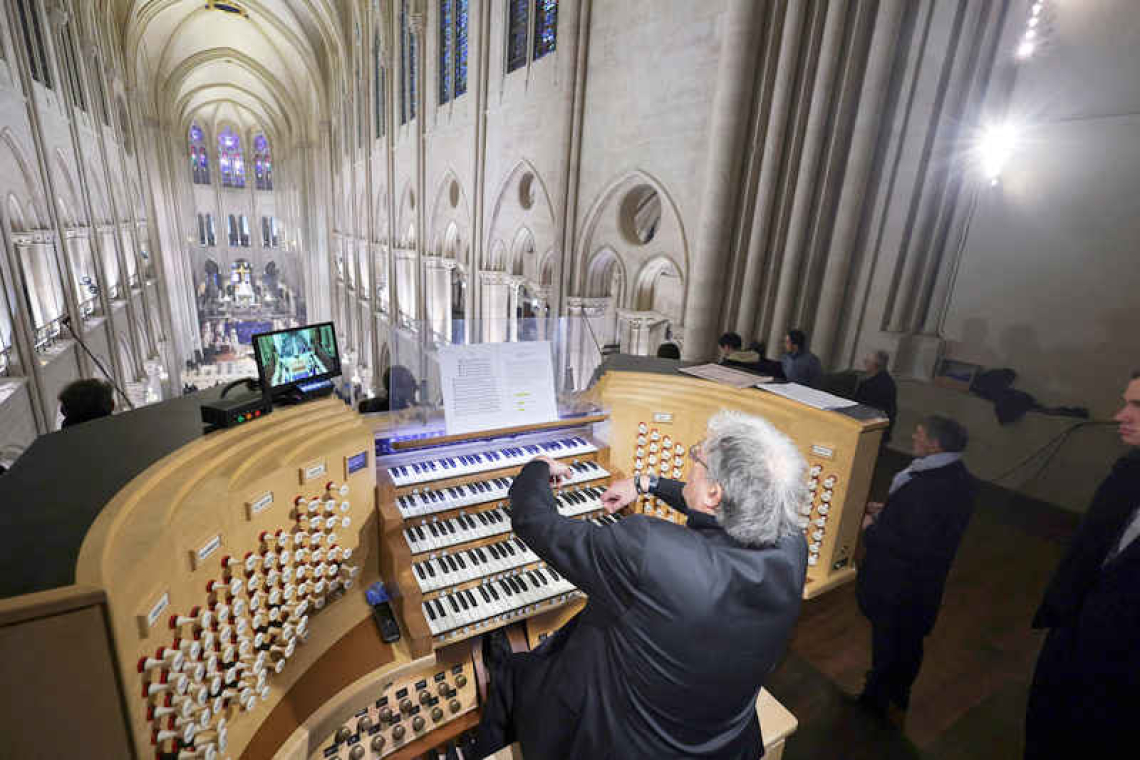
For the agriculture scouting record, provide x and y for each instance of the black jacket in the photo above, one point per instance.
(682, 627)
(879, 391)
(913, 542)
(1098, 603)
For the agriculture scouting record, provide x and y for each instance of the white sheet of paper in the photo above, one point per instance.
(487, 386)
(806, 395)
(719, 373)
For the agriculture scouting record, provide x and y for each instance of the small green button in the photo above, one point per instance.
(240, 418)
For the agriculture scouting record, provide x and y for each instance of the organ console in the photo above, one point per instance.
(202, 595)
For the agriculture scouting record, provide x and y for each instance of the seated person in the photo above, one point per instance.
(683, 624)
(668, 350)
(85, 400)
(729, 350)
(800, 365)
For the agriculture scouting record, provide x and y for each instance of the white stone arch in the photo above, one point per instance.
(522, 252)
(508, 213)
(497, 259)
(14, 214)
(546, 268)
(22, 182)
(447, 219)
(406, 217)
(602, 229)
(604, 267)
(68, 197)
(652, 291)
(381, 217)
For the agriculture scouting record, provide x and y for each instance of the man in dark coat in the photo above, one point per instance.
(878, 389)
(1087, 684)
(911, 542)
(683, 624)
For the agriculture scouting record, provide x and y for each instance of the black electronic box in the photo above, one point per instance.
(228, 412)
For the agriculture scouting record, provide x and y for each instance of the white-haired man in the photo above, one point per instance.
(683, 624)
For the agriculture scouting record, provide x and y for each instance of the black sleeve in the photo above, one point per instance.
(669, 491)
(921, 525)
(604, 562)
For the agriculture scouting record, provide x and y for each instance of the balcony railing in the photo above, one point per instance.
(88, 308)
(48, 334)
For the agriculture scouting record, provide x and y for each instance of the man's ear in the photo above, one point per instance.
(713, 494)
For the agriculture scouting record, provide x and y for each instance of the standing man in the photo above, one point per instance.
(878, 389)
(911, 542)
(800, 365)
(683, 624)
(1087, 683)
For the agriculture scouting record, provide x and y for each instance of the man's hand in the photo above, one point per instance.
(872, 513)
(618, 495)
(558, 471)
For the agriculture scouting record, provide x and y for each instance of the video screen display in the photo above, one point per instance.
(288, 356)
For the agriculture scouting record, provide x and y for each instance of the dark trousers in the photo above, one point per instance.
(496, 724)
(896, 654)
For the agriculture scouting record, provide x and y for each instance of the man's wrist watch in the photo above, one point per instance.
(650, 488)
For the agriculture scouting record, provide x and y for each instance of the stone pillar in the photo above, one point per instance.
(515, 284)
(437, 280)
(732, 103)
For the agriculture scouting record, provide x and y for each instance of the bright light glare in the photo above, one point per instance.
(1036, 9)
(1030, 34)
(1025, 49)
(1033, 22)
(995, 147)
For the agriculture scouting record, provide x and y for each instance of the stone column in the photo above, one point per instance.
(515, 284)
(732, 103)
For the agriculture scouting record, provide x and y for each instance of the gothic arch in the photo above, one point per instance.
(451, 215)
(601, 229)
(522, 250)
(648, 295)
(29, 189)
(509, 212)
(600, 274)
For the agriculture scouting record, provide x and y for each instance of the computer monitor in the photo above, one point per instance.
(298, 358)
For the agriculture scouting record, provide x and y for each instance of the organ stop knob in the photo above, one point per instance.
(357, 752)
(378, 743)
(398, 732)
(418, 723)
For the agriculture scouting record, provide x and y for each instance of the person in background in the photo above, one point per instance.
(399, 388)
(877, 389)
(1087, 682)
(729, 350)
(911, 542)
(668, 351)
(85, 400)
(800, 365)
(683, 624)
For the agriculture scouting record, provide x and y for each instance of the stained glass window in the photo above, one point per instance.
(244, 238)
(34, 41)
(545, 27)
(517, 18)
(459, 68)
(262, 163)
(71, 61)
(211, 237)
(232, 228)
(230, 159)
(408, 66)
(445, 50)
(199, 159)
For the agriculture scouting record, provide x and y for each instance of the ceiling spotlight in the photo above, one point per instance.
(995, 147)
(1025, 49)
(1031, 34)
(1035, 9)
(1033, 22)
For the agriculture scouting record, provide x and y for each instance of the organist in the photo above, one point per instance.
(683, 624)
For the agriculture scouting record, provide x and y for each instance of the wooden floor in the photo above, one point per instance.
(969, 700)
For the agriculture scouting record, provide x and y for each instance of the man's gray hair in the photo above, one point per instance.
(762, 474)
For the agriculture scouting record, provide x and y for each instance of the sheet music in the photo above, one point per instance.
(806, 395)
(719, 373)
(489, 386)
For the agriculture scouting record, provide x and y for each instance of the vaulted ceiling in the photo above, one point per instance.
(254, 63)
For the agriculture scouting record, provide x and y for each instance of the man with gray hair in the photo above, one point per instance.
(911, 542)
(683, 624)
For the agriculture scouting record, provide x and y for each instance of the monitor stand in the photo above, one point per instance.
(300, 392)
